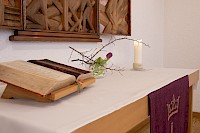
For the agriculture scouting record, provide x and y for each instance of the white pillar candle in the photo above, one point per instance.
(138, 52)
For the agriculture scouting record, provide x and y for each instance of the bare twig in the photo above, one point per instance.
(90, 59)
(82, 61)
(80, 53)
(112, 42)
(70, 56)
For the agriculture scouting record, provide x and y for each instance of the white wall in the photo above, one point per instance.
(182, 37)
(147, 24)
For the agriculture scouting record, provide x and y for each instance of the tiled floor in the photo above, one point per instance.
(196, 125)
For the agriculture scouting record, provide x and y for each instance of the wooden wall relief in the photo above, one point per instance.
(65, 20)
(115, 17)
(61, 19)
(60, 15)
(11, 14)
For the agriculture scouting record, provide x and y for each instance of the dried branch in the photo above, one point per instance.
(81, 54)
(119, 39)
(90, 59)
(82, 61)
(114, 69)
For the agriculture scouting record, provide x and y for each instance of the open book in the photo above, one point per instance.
(37, 78)
(78, 73)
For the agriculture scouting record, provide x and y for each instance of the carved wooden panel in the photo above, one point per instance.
(11, 14)
(59, 20)
(65, 20)
(115, 17)
(62, 15)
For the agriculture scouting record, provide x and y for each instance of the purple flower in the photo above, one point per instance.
(109, 55)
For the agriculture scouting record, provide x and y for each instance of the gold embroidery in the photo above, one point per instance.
(172, 108)
(172, 127)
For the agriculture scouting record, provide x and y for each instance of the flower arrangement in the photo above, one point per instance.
(98, 65)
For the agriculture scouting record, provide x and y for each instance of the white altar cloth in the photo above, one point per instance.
(68, 114)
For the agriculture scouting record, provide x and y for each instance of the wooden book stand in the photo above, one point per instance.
(12, 91)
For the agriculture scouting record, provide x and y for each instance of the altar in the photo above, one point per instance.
(117, 103)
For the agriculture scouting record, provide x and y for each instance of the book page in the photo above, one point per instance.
(33, 77)
(36, 69)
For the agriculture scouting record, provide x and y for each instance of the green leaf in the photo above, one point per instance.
(99, 67)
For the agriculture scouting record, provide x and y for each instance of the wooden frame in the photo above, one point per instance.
(55, 20)
(13, 91)
(11, 14)
(115, 17)
(53, 36)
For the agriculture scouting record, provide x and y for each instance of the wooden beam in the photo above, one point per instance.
(11, 23)
(73, 9)
(1, 14)
(44, 10)
(190, 110)
(65, 14)
(58, 5)
(56, 34)
(12, 17)
(193, 78)
(52, 39)
(14, 11)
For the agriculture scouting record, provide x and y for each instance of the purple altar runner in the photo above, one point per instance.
(169, 107)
